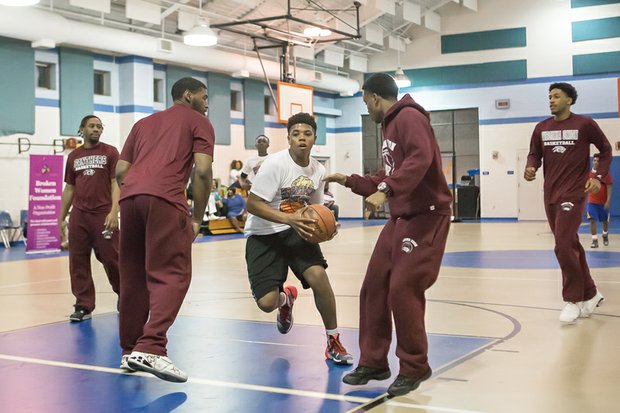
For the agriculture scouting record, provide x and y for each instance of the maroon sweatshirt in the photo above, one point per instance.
(564, 150)
(412, 164)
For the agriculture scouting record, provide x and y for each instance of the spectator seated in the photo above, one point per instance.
(228, 218)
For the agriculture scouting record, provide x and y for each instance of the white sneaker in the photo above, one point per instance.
(124, 365)
(570, 313)
(159, 366)
(588, 307)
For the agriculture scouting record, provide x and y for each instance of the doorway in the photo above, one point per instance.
(530, 194)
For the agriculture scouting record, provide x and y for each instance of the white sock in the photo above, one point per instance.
(282, 300)
(594, 237)
(332, 332)
(605, 233)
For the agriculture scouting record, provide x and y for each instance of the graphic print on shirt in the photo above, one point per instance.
(88, 164)
(298, 193)
(386, 150)
(257, 167)
(560, 139)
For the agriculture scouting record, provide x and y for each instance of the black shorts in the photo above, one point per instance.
(269, 257)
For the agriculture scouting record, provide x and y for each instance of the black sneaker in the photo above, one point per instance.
(594, 243)
(80, 314)
(362, 374)
(605, 240)
(403, 385)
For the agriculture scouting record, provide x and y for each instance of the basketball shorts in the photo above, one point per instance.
(597, 212)
(268, 258)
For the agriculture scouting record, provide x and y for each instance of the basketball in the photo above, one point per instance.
(325, 227)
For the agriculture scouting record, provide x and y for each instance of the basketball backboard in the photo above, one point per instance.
(292, 99)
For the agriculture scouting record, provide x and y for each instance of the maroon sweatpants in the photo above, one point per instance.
(577, 283)
(156, 268)
(403, 265)
(85, 236)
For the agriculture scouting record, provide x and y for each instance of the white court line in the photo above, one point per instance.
(33, 283)
(517, 278)
(218, 383)
(268, 343)
(425, 407)
(251, 387)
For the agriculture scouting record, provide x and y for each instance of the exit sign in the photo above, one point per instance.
(502, 104)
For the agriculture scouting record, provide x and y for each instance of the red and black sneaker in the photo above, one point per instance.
(284, 319)
(336, 352)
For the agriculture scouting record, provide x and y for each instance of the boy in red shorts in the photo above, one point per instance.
(598, 205)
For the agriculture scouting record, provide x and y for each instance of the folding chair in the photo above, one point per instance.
(7, 229)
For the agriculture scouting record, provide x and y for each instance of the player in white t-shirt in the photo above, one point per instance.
(277, 234)
(252, 165)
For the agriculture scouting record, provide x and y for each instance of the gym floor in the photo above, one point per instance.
(496, 344)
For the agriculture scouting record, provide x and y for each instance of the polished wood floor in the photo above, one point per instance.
(534, 364)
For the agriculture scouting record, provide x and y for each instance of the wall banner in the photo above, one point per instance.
(44, 202)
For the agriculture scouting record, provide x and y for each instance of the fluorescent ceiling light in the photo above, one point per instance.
(200, 35)
(316, 32)
(19, 3)
(401, 79)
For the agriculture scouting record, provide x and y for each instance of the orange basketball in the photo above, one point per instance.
(325, 227)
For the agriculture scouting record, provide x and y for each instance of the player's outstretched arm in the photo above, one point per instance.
(338, 178)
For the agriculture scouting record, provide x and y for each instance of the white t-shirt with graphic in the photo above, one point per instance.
(281, 179)
(251, 167)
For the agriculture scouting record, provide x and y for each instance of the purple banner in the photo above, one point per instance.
(44, 202)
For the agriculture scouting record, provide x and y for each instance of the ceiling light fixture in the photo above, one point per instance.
(19, 3)
(201, 34)
(317, 32)
(401, 79)
(399, 76)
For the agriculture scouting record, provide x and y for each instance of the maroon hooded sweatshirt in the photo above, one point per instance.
(412, 164)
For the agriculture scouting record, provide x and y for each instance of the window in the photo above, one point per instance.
(235, 101)
(270, 108)
(46, 75)
(158, 90)
(102, 83)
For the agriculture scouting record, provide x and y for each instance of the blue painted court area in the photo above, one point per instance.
(234, 366)
(524, 259)
(18, 253)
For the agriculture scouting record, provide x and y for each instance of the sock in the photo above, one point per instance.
(605, 233)
(282, 300)
(594, 237)
(332, 332)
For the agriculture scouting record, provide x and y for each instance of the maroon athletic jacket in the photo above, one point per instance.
(563, 148)
(412, 164)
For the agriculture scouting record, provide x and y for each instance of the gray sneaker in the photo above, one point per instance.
(160, 366)
(594, 243)
(605, 240)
